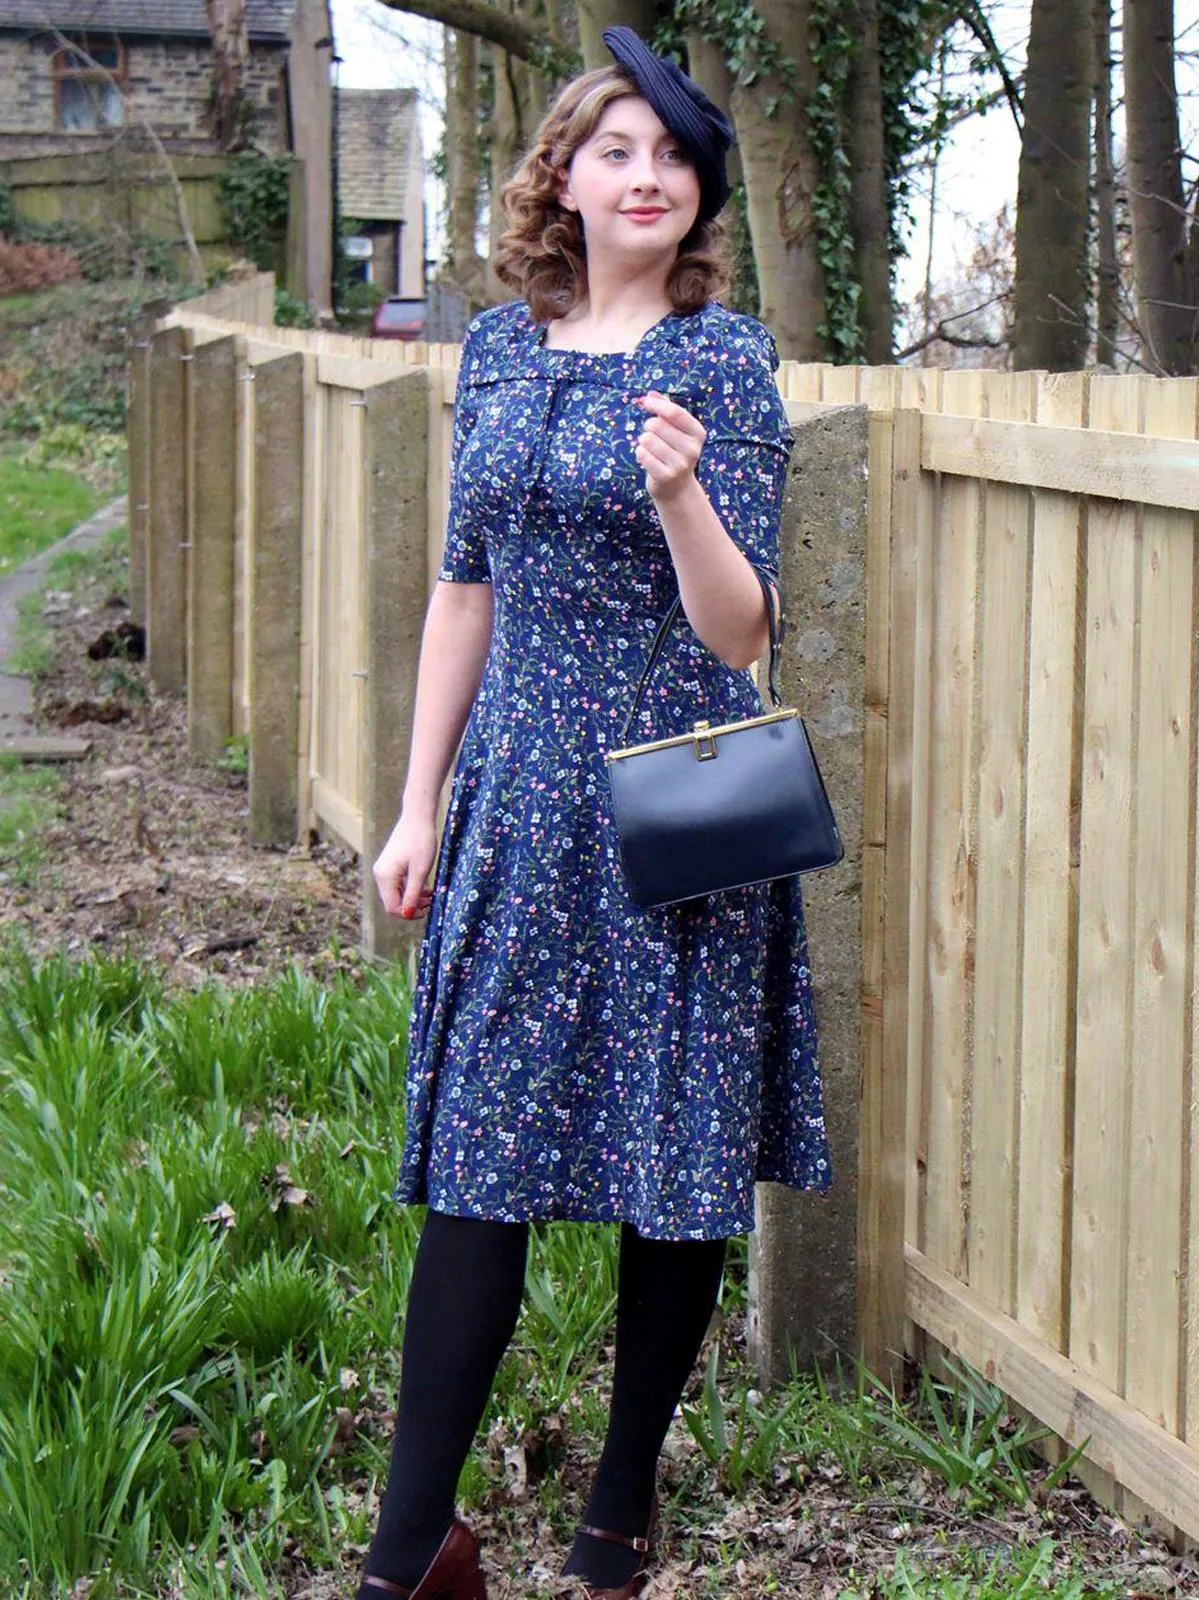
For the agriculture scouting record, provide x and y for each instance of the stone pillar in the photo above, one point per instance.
(397, 532)
(803, 1276)
(210, 592)
(166, 530)
(276, 557)
(137, 439)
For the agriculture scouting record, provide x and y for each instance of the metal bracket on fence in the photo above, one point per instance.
(141, 344)
(358, 402)
(188, 357)
(248, 375)
(362, 674)
(187, 546)
(142, 505)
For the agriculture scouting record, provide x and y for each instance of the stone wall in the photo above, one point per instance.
(169, 85)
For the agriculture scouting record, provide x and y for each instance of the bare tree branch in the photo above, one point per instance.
(485, 21)
(975, 18)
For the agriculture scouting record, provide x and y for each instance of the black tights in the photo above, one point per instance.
(467, 1283)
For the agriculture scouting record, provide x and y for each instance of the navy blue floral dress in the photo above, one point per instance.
(570, 1055)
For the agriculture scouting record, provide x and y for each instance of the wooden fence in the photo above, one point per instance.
(1028, 1154)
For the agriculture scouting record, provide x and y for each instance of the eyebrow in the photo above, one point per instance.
(619, 133)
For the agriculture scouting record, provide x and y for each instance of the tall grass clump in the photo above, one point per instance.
(194, 1207)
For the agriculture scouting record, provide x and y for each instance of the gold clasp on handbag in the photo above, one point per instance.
(705, 744)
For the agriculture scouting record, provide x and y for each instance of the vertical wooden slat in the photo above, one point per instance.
(949, 952)
(1002, 733)
(839, 385)
(1160, 894)
(1101, 1151)
(1049, 945)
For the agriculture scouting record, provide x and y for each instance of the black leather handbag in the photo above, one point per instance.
(720, 808)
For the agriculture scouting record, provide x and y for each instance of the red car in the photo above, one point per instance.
(396, 318)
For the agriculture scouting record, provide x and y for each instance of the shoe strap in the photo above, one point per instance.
(641, 1545)
(384, 1583)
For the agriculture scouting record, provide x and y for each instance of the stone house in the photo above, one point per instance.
(381, 175)
(79, 77)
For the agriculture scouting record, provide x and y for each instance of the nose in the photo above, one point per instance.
(643, 176)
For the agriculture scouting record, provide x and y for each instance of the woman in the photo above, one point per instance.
(618, 439)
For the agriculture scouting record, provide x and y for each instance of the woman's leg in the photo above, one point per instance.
(668, 1291)
(467, 1283)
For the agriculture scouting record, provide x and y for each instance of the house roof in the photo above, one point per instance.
(375, 127)
(265, 19)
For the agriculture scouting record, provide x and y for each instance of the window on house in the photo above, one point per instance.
(89, 82)
(359, 251)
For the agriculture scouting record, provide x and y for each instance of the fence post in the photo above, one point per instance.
(803, 1276)
(397, 533)
(274, 573)
(166, 531)
(210, 592)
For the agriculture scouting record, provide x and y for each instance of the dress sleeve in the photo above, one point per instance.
(464, 559)
(743, 465)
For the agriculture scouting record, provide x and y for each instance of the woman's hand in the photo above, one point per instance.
(403, 867)
(668, 447)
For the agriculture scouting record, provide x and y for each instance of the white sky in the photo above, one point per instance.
(977, 172)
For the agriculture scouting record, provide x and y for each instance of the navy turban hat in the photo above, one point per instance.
(684, 108)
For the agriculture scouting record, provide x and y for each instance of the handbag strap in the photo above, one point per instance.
(776, 620)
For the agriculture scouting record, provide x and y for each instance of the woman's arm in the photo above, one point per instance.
(719, 589)
(454, 646)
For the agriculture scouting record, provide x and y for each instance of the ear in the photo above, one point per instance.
(564, 197)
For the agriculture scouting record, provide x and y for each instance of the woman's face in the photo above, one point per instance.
(632, 184)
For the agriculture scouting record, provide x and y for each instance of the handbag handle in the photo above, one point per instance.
(778, 632)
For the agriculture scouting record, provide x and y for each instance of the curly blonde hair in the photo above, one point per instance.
(542, 253)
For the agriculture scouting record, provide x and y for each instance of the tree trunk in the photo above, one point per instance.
(869, 214)
(780, 177)
(463, 162)
(596, 15)
(1107, 303)
(1162, 259)
(707, 66)
(232, 111)
(1053, 195)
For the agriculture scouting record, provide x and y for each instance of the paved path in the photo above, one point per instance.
(17, 731)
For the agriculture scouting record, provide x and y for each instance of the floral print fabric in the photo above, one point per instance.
(571, 1055)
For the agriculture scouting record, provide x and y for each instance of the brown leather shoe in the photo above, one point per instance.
(644, 1548)
(454, 1573)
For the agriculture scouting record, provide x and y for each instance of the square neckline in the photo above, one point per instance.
(539, 332)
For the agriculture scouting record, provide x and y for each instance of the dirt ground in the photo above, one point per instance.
(146, 851)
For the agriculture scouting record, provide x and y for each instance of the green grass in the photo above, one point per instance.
(203, 1272)
(28, 796)
(75, 572)
(38, 506)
